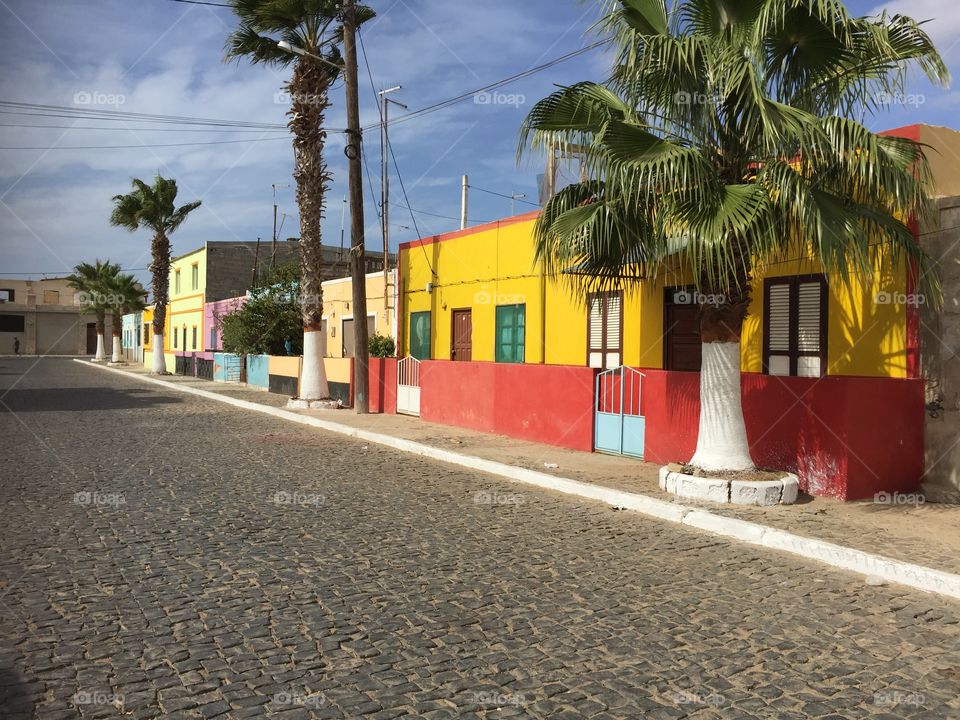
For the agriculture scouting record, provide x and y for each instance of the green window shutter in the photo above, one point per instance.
(420, 335)
(510, 333)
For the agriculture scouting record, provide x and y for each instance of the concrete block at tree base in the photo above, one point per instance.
(297, 404)
(791, 488)
(698, 488)
(668, 479)
(744, 492)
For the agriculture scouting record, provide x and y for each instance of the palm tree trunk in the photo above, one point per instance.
(309, 101)
(116, 330)
(101, 328)
(722, 437)
(160, 269)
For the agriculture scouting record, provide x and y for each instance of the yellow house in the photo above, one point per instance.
(184, 326)
(480, 295)
(338, 315)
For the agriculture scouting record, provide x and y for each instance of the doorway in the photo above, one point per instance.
(91, 338)
(461, 346)
(681, 330)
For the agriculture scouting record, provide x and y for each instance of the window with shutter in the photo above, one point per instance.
(510, 333)
(795, 326)
(604, 330)
(420, 335)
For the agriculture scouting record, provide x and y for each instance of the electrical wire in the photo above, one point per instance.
(142, 145)
(508, 197)
(81, 113)
(103, 127)
(492, 86)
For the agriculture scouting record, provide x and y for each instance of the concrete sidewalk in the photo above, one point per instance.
(925, 535)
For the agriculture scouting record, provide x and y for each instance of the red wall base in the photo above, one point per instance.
(383, 385)
(845, 437)
(550, 404)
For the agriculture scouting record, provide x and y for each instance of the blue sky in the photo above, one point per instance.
(160, 56)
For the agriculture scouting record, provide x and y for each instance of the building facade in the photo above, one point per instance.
(832, 384)
(46, 317)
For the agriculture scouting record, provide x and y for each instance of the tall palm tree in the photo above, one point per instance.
(153, 207)
(92, 283)
(731, 134)
(310, 27)
(125, 294)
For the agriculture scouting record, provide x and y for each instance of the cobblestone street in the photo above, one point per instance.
(165, 556)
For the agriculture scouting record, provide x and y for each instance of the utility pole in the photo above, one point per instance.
(463, 202)
(385, 188)
(361, 377)
(513, 202)
(273, 247)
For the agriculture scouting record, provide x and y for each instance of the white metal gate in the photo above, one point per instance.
(408, 386)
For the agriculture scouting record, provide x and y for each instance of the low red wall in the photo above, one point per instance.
(845, 437)
(383, 385)
(550, 404)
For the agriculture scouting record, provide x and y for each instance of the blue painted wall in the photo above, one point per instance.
(258, 370)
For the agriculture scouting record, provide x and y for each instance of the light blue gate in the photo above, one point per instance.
(618, 423)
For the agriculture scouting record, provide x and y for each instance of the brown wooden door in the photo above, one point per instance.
(91, 338)
(681, 331)
(462, 338)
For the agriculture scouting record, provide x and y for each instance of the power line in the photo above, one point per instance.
(142, 145)
(433, 214)
(202, 2)
(492, 86)
(81, 113)
(508, 197)
(103, 127)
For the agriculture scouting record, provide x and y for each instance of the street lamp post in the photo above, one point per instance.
(385, 188)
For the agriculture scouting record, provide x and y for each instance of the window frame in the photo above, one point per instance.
(519, 310)
(175, 330)
(429, 315)
(195, 276)
(606, 294)
(194, 335)
(793, 309)
(176, 281)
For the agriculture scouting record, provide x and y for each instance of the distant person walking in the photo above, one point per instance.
(16, 347)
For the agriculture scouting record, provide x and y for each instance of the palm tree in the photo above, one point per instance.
(310, 27)
(726, 138)
(125, 294)
(92, 283)
(153, 207)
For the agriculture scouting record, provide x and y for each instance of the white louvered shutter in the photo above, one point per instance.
(778, 320)
(614, 319)
(808, 329)
(595, 332)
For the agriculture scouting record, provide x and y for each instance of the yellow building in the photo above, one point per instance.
(480, 295)
(184, 326)
(338, 315)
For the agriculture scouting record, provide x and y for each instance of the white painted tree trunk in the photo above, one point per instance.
(313, 377)
(115, 355)
(101, 351)
(159, 361)
(722, 439)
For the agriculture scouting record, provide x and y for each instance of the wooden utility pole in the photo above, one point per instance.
(361, 395)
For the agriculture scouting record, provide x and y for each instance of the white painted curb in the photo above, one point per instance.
(858, 561)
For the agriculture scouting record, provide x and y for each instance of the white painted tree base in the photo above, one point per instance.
(313, 376)
(782, 491)
(722, 437)
(159, 364)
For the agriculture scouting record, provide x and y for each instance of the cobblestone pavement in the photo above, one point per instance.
(168, 556)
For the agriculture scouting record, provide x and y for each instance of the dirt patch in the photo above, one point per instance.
(756, 475)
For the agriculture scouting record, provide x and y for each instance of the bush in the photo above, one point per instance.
(382, 346)
(268, 319)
